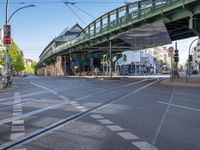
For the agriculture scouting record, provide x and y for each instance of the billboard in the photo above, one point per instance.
(7, 33)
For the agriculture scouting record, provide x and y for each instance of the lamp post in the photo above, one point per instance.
(7, 44)
(189, 61)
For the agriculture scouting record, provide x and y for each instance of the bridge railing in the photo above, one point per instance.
(111, 21)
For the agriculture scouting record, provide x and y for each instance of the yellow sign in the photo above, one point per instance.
(104, 62)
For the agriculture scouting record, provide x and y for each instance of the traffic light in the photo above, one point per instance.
(190, 58)
(176, 56)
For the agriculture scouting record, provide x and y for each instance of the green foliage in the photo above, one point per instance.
(17, 63)
(28, 70)
(33, 65)
(2, 57)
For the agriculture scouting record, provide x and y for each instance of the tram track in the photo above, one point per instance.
(64, 121)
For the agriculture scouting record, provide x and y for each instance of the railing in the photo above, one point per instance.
(111, 21)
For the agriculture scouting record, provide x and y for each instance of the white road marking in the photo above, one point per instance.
(134, 83)
(115, 128)
(75, 105)
(180, 106)
(45, 88)
(80, 107)
(144, 146)
(19, 148)
(63, 98)
(32, 113)
(17, 113)
(17, 110)
(16, 135)
(105, 121)
(163, 119)
(18, 122)
(97, 116)
(84, 109)
(128, 136)
(18, 128)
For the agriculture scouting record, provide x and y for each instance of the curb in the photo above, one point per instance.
(181, 84)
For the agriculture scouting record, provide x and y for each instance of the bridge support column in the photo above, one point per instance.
(45, 70)
(58, 66)
(194, 25)
(110, 59)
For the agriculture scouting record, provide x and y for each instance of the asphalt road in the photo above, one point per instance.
(92, 114)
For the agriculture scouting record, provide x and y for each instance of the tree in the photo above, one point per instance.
(33, 65)
(16, 60)
(2, 57)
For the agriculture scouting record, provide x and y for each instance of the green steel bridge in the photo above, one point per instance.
(139, 25)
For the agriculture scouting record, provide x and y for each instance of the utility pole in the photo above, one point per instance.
(6, 45)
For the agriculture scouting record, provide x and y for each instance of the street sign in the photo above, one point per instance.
(114, 58)
(171, 49)
(170, 52)
(7, 32)
(171, 55)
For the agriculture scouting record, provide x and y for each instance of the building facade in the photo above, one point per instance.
(196, 56)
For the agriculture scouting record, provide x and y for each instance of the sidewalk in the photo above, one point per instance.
(123, 76)
(193, 82)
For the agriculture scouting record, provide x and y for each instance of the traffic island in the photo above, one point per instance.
(181, 82)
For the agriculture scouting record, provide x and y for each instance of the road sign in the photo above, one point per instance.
(171, 49)
(114, 58)
(7, 32)
(171, 55)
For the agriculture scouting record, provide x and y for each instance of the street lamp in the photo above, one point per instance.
(18, 10)
(189, 61)
(8, 43)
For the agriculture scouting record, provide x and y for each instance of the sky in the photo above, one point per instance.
(33, 28)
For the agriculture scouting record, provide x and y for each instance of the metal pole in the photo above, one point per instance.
(171, 74)
(189, 63)
(7, 46)
(110, 60)
(18, 10)
(176, 67)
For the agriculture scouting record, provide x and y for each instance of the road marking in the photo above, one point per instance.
(97, 116)
(84, 109)
(17, 110)
(144, 146)
(105, 121)
(180, 106)
(17, 113)
(115, 128)
(134, 83)
(75, 104)
(18, 128)
(135, 91)
(80, 107)
(19, 148)
(18, 122)
(16, 135)
(22, 96)
(32, 113)
(128, 136)
(63, 98)
(45, 88)
(163, 119)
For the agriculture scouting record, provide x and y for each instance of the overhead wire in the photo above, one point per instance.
(84, 11)
(66, 4)
(58, 2)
